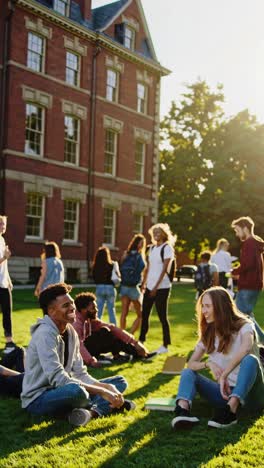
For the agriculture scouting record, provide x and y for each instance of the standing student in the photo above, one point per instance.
(5, 288)
(132, 265)
(52, 269)
(156, 283)
(250, 272)
(206, 274)
(227, 337)
(222, 258)
(105, 291)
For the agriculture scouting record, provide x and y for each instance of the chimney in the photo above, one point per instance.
(86, 6)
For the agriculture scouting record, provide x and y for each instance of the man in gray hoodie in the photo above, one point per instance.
(56, 383)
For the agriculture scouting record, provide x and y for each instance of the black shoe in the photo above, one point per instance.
(128, 405)
(149, 356)
(223, 418)
(183, 419)
(9, 347)
(122, 358)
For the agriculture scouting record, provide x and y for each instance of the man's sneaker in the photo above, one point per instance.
(9, 347)
(79, 417)
(183, 419)
(149, 356)
(161, 350)
(223, 418)
(128, 405)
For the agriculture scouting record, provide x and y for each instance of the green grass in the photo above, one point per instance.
(140, 438)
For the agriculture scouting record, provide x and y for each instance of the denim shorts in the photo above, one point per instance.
(246, 300)
(133, 292)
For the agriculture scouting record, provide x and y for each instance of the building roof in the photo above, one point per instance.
(101, 16)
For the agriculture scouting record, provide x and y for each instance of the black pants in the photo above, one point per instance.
(223, 279)
(6, 306)
(12, 385)
(161, 303)
(103, 341)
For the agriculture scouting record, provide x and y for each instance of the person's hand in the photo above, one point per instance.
(37, 292)
(110, 387)
(7, 253)
(141, 350)
(216, 370)
(116, 400)
(96, 364)
(224, 387)
(153, 292)
(143, 287)
(235, 277)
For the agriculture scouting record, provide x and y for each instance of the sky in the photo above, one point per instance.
(219, 41)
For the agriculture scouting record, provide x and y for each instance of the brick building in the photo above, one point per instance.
(79, 96)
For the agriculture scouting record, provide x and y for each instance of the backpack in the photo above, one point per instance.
(130, 276)
(203, 278)
(171, 272)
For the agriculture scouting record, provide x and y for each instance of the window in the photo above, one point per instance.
(71, 139)
(138, 223)
(129, 38)
(140, 161)
(34, 129)
(71, 220)
(35, 52)
(62, 7)
(112, 86)
(109, 226)
(110, 152)
(141, 98)
(72, 68)
(34, 215)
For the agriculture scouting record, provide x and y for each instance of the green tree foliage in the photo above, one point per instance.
(211, 168)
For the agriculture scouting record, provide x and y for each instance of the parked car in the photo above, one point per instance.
(186, 271)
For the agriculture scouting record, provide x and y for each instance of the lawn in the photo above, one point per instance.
(140, 438)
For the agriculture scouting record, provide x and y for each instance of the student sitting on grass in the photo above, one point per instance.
(229, 339)
(56, 383)
(97, 337)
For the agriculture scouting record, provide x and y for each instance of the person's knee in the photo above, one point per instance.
(187, 373)
(119, 382)
(250, 359)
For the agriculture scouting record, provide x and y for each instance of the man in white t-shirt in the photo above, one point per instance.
(156, 283)
(5, 288)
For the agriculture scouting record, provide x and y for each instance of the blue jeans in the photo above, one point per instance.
(106, 293)
(246, 300)
(61, 400)
(249, 387)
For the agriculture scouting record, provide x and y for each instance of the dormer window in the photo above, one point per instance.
(129, 38)
(62, 7)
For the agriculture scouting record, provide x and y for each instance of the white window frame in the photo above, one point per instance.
(41, 132)
(141, 223)
(31, 52)
(77, 142)
(112, 227)
(141, 163)
(77, 72)
(142, 102)
(129, 39)
(42, 218)
(65, 3)
(76, 222)
(114, 153)
(112, 92)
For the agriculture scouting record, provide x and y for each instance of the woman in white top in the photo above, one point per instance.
(228, 338)
(222, 258)
(156, 284)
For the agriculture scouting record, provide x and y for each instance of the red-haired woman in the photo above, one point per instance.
(228, 338)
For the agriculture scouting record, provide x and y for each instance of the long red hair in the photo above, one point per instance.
(227, 320)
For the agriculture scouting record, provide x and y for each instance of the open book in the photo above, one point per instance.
(174, 365)
(162, 404)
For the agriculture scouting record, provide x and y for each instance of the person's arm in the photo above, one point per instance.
(106, 391)
(195, 362)
(41, 278)
(6, 255)
(8, 372)
(144, 279)
(244, 349)
(215, 278)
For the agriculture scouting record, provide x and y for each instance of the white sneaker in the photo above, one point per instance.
(161, 350)
(79, 417)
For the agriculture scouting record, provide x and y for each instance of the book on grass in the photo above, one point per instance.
(162, 404)
(174, 364)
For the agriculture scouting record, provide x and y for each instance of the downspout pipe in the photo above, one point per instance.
(3, 109)
(91, 159)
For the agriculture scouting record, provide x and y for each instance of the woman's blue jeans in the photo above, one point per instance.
(249, 387)
(61, 400)
(106, 294)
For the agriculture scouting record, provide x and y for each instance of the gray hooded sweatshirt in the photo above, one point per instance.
(45, 361)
